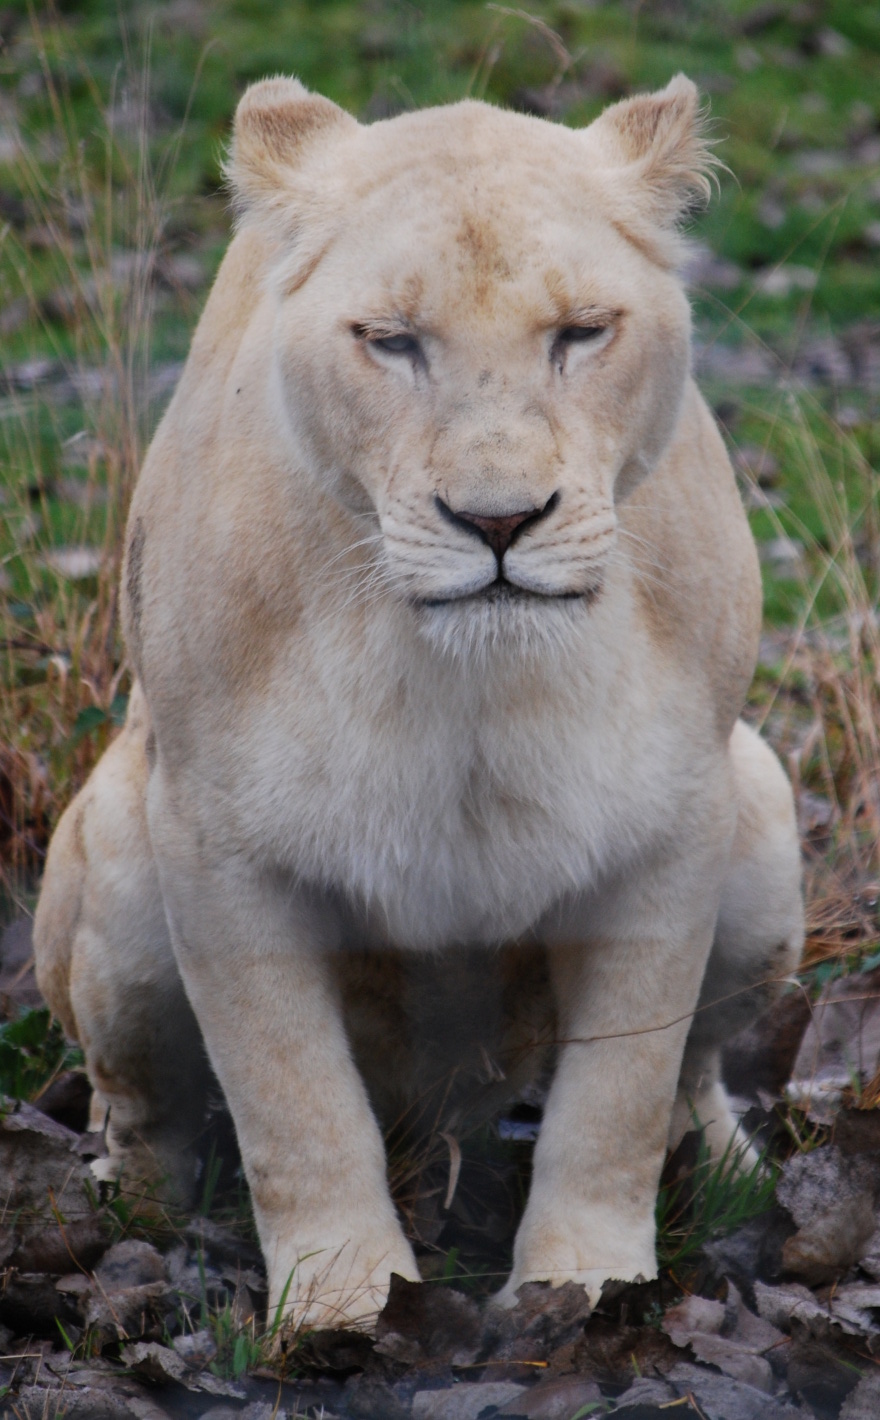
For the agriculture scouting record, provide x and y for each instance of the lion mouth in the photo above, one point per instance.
(501, 592)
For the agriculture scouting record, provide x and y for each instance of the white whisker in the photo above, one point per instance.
(362, 542)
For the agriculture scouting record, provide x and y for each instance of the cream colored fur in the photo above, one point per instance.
(353, 742)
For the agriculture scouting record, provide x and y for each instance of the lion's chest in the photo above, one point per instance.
(444, 822)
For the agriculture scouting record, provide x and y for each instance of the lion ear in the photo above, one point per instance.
(657, 149)
(277, 123)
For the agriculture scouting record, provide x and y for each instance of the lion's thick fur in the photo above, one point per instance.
(443, 608)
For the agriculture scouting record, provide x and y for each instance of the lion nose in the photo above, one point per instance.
(498, 531)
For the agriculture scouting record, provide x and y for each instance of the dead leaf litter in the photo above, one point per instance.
(105, 1315)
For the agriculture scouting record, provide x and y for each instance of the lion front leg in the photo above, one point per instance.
(625, 992)
(254, 954)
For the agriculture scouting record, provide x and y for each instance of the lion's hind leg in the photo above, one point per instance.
(105, 965)
(758, 941)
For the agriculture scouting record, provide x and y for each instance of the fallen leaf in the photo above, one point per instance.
(127, 1312)
(841, 1043)
(727, 1336)
(646, 1399)
(159, 1363)
(198, 1349)
(39, 1162)
(855, 1303)
(131, 1263)
(74, 1284)
(555, 1400)
(30, 1303)
(154, 1362)
(795, 1304)
(722, 1398)
(821, 1373)
(544, 1319)
(331, 1350)
(36, 1402)
(831, 1199)
(367, 1397)
(421, 1320)
(754, 1250)
(60, 1248)
(857, 1131)
(142, 1407)
(864, 1402)
(465, 1401)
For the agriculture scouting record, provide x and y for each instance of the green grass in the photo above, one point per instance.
(775, 96)
(713, 1200)
(32, 1052)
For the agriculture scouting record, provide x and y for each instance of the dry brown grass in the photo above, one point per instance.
(96, 211)
(823, 711)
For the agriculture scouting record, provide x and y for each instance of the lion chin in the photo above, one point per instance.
(504, 619)
(443, 608)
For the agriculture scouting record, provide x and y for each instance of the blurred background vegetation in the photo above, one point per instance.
(113, 120)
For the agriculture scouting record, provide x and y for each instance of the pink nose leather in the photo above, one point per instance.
(498, 532)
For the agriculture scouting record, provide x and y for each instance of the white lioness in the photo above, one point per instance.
(443, 608)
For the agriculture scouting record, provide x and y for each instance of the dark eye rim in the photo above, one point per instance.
(581, 334)
(392, 342)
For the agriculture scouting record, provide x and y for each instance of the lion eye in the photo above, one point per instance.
(579, 334)
(396, 344)
(569, 336)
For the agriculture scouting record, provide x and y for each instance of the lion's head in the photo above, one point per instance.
(480, 336)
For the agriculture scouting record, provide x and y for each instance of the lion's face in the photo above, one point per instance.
(474, 351)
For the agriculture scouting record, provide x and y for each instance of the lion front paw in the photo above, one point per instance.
(337, 1284)
(588, 1250)
(592, 1279)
